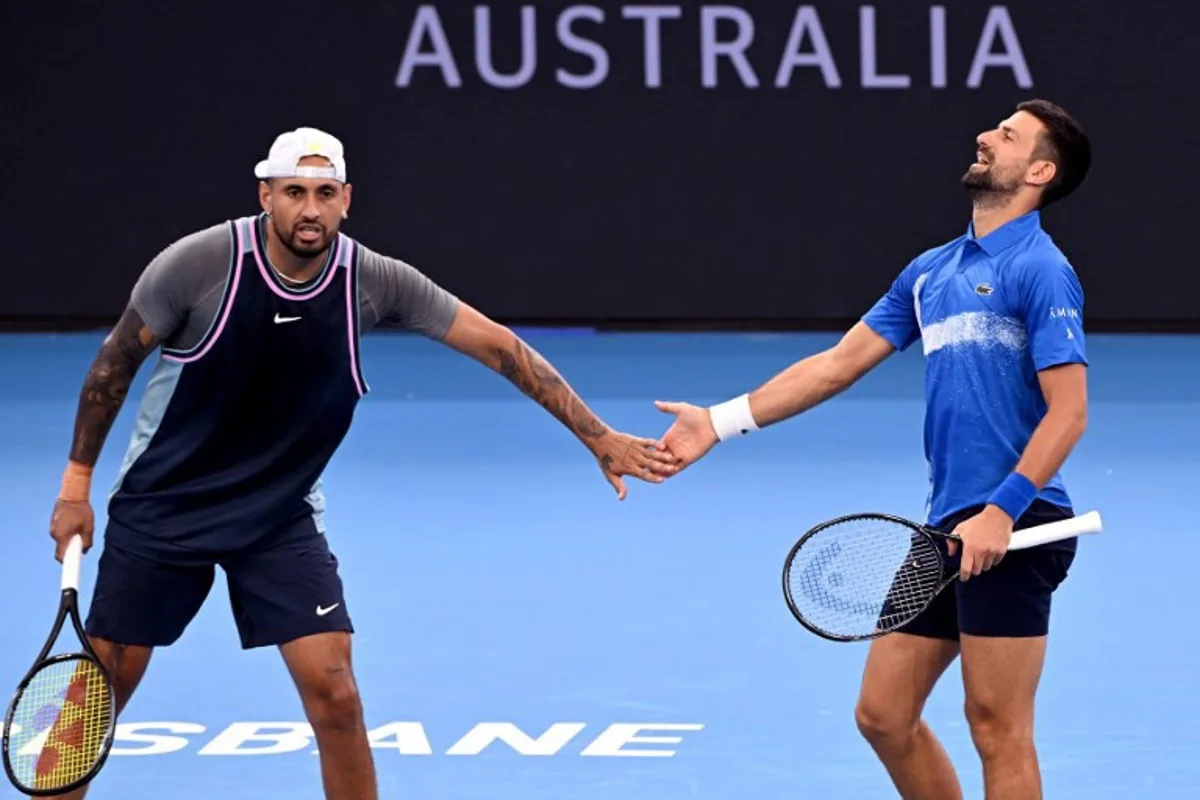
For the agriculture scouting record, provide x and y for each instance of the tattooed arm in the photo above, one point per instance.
(502, 350)
(104, 391)
(499, 348)
(107, 385)
(403, 295)
(173, 300)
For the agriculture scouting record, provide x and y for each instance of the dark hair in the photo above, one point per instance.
(1063, 142)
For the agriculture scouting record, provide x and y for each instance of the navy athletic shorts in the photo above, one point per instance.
(284, 587)
(1010, 599)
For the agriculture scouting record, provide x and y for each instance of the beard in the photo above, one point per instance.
(986, 187)
(291, 240)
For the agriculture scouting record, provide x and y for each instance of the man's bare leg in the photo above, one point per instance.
(320, 666)
(901, 672)
(1000, 677)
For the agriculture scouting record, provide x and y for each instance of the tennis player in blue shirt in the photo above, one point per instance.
(998, 312)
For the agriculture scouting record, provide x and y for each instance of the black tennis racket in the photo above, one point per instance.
(861, 576)
(59, 727)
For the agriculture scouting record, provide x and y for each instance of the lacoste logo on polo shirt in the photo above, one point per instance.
(983, 290)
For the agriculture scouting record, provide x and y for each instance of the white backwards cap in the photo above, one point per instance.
(283, 161)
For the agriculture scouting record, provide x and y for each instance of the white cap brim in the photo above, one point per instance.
(283, 161)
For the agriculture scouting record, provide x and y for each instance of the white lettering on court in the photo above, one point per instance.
(155, 744)
(485, 733)
(407, 738)
(260, 739)
(615, 738)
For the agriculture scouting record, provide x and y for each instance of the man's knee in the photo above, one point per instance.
(125, 665)
(883, 723)
(900, 673)
(997, 727)
(1000, 676)
(320, 665)
(333, 703)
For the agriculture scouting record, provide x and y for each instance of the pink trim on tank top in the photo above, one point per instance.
(233, 288)
(262, 267)
(351, 300)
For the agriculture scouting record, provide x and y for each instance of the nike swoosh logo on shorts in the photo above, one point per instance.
(322, 611)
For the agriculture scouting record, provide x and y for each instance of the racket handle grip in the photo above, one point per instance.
(71, 563)
(1056, 531)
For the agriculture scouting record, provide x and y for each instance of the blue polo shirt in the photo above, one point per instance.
(990, 314)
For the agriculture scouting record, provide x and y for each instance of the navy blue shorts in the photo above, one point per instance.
(282, 588)
(1010, 599)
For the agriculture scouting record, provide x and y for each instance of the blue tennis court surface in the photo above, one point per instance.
(523, 635)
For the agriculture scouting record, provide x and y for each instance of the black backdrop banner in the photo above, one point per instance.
(566, 162)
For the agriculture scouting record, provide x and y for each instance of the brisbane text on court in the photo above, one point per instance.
(615, 740)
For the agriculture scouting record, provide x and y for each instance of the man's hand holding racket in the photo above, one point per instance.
(71, 518)
(985, 538)
(73, 515)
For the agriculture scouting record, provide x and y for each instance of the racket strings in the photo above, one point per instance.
(60, 724)
(863, 575)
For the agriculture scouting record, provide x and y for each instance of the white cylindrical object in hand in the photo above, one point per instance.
(71, 562)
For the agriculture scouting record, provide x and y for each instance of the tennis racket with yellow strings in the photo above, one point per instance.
(59, 727)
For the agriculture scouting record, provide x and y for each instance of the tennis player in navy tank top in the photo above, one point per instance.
(259, 374)
(257, 407)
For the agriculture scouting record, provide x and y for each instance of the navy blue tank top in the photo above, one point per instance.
(233, 435)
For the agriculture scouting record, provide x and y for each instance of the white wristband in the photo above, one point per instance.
(732, 418)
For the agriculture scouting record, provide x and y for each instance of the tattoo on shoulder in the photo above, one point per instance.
(107, 384)
(533, 375)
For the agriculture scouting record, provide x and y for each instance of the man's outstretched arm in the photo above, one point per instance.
(499, 348)
(405, 296)
(813, 380)
(804, 385)
(502, 350)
